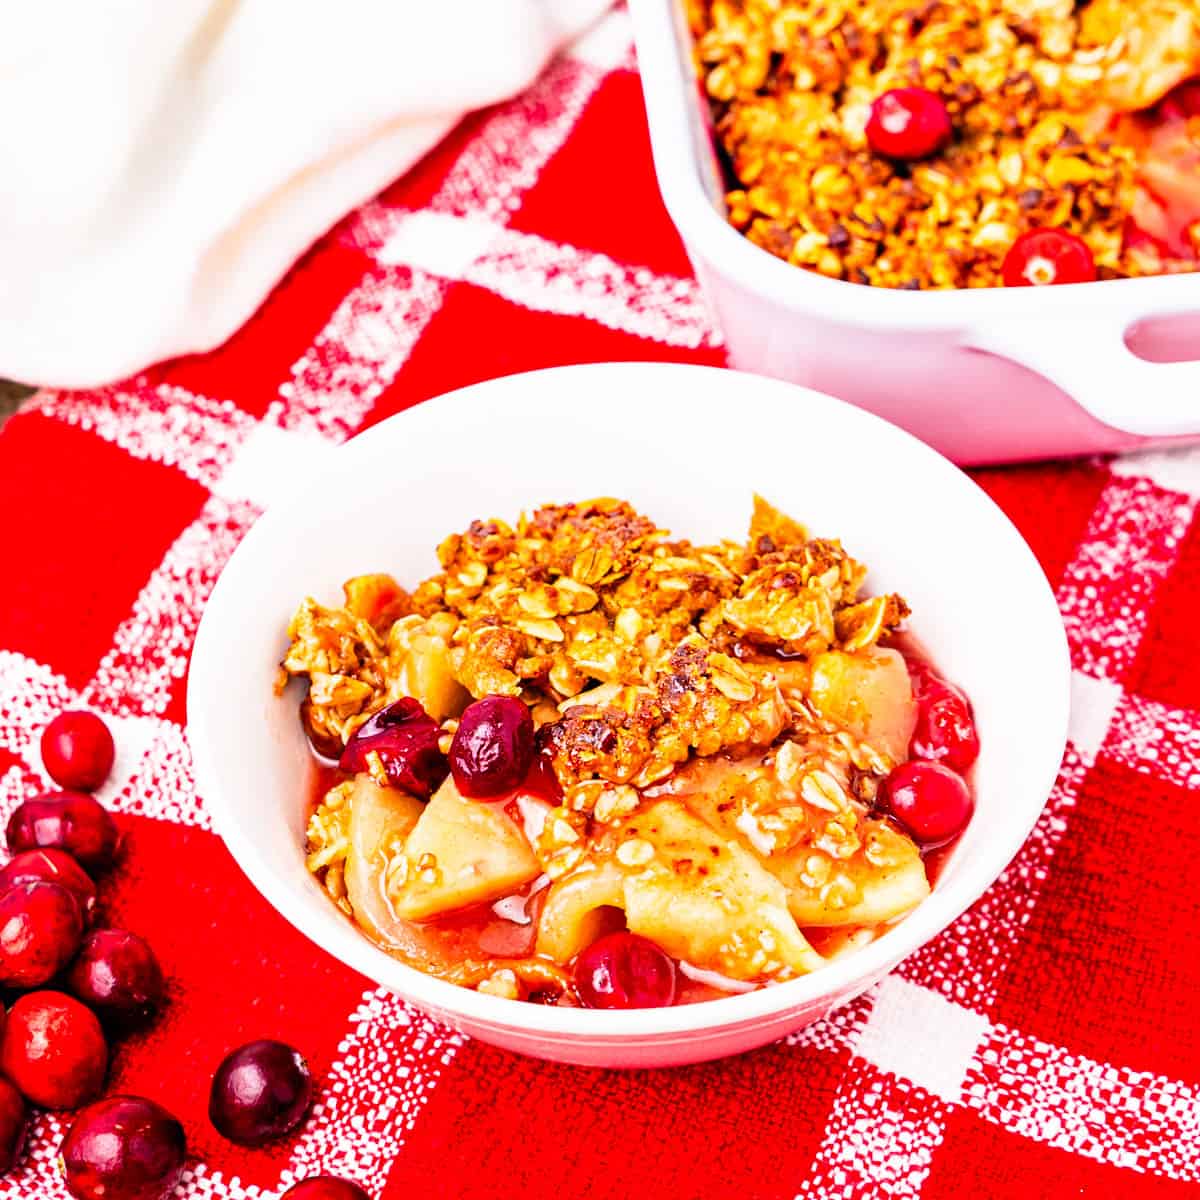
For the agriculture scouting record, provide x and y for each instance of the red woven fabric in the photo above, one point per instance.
(1044, 1046)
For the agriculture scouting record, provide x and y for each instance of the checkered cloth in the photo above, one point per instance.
(1046, 1045)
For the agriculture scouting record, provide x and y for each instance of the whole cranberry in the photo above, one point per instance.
(117, 976)
(260, 1092)
(77, 750)
(12, 1125)
(405, 737)
(1048, 256)
(625, 970)
(492, 749)
(51, 866)
(40, 928)
(908, 123)
(931, 801)
(945, 730)
(53, 1049)
(123, 1148)
(70, 821)
(325, 1187)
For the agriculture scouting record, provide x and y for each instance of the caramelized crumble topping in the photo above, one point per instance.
(621, 639)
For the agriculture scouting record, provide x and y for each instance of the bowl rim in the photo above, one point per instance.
(842, 978)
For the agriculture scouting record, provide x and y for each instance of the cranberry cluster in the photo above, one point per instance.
(928, 794)
(910, 123)
(82, 987)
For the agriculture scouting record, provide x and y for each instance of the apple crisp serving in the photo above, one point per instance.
(590, 763)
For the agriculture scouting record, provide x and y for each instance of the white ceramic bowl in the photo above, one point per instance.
(985, 375)
(689, 445)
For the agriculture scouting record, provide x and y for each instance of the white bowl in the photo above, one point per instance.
(688, 445)
(985, 374)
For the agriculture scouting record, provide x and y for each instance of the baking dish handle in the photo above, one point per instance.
(1087, 357)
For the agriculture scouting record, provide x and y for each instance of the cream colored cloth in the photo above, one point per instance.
(165, 161)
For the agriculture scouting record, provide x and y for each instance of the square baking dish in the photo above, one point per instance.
(984, 375)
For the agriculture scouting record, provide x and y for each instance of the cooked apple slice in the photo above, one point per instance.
(707, 900)
(881, 881)
(381, 819)
(461, 852)
(419, 666)
(883, 878)
(580, 908)
(869, 694)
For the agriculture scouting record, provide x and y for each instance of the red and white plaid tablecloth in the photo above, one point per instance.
(1047, 1045)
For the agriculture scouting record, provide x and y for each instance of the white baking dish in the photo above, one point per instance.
(984, 375)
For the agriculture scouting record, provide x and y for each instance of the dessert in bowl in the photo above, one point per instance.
(589, 763)
(707, 819)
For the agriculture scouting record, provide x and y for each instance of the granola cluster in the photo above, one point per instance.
(1036, 90)
(635, 651)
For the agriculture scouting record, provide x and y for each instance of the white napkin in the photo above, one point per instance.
(165, 161)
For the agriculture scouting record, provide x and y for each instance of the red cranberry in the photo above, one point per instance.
(405, 737)
(53, 1049)
(12, 1125)
(945, 730)
(1046, 256)
(77, 750)
(624, 970)
(260, 1092)
(123, 1148)
(51, 866)
(325, 1187)
(492, 749)
(69, 821)
(40, 928)
(929, 800)
(117, 976)
(908, 123)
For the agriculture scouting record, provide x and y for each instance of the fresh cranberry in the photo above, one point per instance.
(51, 866)
(492, 749)
(945, 730)
(405, 737)
(931, 801)
(624, 970)
(40, 928)
(77, 750)
(1046, 256)
(117, 976)
(53, 1049)
(123, 1148)
(325, 1187)
(69, 821)
(260, 1092)
(12, 1125)
(908, 123)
